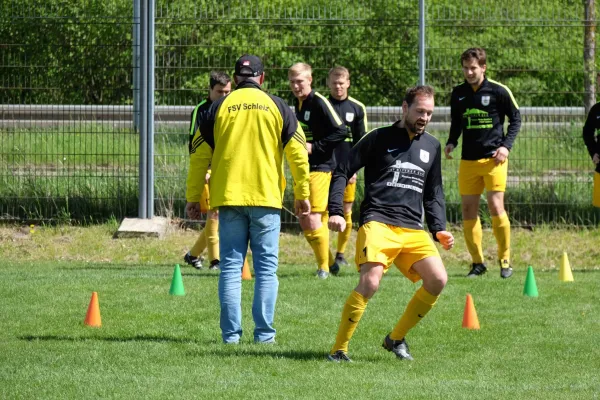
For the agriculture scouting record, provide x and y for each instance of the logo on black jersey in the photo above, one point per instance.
(477, 119)
(412, 176)
(485, 100)
(349, 116)
(424, 156)
(306, 115)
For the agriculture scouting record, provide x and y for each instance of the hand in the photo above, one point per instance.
(337, 223)
(447, 150)
(302, 208)
(596, 158)
(353, 179)
(500, 155)
(309, 147)
(193, 210)
(207, 178)
(446, 239)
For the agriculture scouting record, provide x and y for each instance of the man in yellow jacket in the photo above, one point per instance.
(244, 137)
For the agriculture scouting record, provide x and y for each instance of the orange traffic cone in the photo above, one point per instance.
(92, 318)
(246, 275)
(470, 320)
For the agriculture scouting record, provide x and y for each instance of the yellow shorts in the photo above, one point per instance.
(350, 193)
(473, 176)
(387, 244)
(205, 200)
(596, 198)
(319, 191)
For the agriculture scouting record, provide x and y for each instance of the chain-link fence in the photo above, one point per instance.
(69, 147)
(536, 48)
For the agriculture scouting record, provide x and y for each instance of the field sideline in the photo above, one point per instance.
(153, 345)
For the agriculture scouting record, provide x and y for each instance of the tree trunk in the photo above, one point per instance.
(589, 55)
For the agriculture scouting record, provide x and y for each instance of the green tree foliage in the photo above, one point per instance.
(80, 51)
(66, 52)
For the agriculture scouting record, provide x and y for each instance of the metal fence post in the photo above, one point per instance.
(143, 180)
(150, 115)
(421, 42)
(136, 63)
(589, 55)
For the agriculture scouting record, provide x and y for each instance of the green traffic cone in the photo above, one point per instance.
(177, 283)
(530, 286)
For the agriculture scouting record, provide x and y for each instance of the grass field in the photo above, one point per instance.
(153, 345)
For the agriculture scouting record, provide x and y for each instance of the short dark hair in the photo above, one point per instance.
(476, 53)
(421, 90)
(218, 78)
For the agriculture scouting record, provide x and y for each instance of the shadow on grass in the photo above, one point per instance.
(120, 267)
(160, 274)
(137, 338)
(269, 351)
(241, 351)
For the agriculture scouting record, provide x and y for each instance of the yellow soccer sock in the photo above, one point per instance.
(420, 304)
(319, 241)
(325, 222)
(344, 237)
(353, 310)
(501, 228)
(212, 239)
(473, 236)
(200, 244)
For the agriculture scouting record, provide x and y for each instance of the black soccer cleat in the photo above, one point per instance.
(477, 269)
(505, 269)
(334, 268)
(339, 356)
(195, 262)
(214, 265)
(341, 260)
(398, 347)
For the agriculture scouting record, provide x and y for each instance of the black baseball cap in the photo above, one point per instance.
(249, 65)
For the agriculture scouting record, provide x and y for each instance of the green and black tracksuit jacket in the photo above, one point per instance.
(323, 128)
(403, 179)
(591, 130)
(354, 115)
(479, 115)
(203, 106)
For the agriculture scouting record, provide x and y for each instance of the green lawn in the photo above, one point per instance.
(153, 345)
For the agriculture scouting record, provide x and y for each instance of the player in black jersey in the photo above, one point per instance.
(198, 202)
(324, 130)
(590, 138)
(479, 107)
(403, 178)
(354, 115)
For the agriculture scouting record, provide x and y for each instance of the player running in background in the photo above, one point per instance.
(354, 115)
(479, 107)
(592, 125)
(324, 130)
(403, 179)
(219, 86)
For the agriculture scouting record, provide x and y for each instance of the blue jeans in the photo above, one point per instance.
(237, 226)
